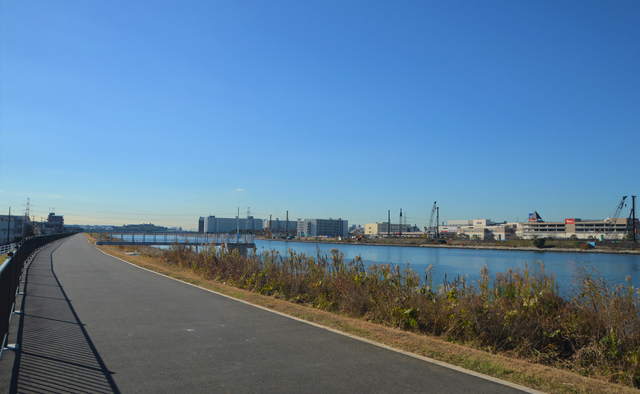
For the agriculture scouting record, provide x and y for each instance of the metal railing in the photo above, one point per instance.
(135, 237)
(8, 248)
(11, 274)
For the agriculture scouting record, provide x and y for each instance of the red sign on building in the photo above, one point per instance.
(569, 221)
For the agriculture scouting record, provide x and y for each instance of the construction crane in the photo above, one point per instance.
(433, 211)
(610, 230)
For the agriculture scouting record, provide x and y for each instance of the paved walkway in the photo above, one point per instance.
(95, 324)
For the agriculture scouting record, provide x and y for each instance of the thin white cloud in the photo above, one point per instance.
(240, 190)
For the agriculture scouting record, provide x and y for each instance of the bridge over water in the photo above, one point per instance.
(240, 242)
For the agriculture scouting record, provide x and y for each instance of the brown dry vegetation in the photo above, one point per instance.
(514, 326)
(557, 245)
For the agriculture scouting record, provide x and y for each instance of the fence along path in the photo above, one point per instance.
(10, 278)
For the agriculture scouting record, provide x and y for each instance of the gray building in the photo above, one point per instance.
(322, 227)
(55, 224)
(213, 224)
(11, 227)
(279, 226)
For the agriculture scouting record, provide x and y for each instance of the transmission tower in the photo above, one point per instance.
(27, 211)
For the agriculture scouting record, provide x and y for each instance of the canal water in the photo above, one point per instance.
(468, 262)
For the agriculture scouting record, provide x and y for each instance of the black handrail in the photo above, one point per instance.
(10, 275)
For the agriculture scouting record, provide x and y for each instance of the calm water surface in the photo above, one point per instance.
(469, 262)
(454, 262)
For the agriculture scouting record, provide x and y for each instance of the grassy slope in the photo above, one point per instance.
(510, 369)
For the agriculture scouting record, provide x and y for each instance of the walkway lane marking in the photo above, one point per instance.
(381, 345)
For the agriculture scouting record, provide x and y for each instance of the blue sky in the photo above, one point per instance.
(127, 112)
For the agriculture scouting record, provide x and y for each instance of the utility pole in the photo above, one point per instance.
(27, 219)
(389, 224)
(633, 218)
(286, 229)
(238, 223)
(400, 224)
(438, 222)
(9, 228)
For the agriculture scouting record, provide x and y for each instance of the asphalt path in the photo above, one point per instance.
(95, 324)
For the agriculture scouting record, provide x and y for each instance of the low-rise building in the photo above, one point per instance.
(449, 231)
(213, 224)
(577, 228)
(459, 223)
(481, 229)
(383, 228)
(11, 227)
(280, 226)
(55, 224)
(322, 227)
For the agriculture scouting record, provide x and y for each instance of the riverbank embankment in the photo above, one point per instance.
(520, 245)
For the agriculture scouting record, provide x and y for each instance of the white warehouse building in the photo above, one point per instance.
(323, 227)
(213, 224)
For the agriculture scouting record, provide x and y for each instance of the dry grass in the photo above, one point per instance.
(556, 245)
(505, 366)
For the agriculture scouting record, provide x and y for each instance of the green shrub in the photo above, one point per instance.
(539, 242)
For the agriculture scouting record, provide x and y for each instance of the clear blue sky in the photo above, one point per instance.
(120, 112)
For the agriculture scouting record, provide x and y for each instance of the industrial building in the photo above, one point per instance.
(617, 228)
(479, 229)
(382, 229)
(213, 224)
(322, 227)
(54, 224)
(280, 226)
(536, 227)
